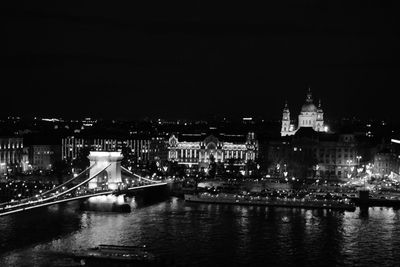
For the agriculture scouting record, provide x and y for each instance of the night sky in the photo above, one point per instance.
(187, 60)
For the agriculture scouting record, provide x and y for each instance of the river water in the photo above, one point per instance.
(207, 235)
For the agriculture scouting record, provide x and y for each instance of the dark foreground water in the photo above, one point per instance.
(207, 235)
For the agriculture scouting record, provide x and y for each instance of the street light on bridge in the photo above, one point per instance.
(349, 161)
(358, 160)
(317, 171)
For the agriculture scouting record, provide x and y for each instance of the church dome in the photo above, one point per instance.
(309, 107)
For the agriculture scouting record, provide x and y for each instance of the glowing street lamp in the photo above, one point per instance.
(317, 170)
(368, 169)
(349, 161)
(358, 159)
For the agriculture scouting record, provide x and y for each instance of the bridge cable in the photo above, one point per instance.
(138, 176)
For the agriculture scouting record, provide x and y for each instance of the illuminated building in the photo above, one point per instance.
(42, 157)
(200, 150)
(310, 117)
(11, 154)
(248, 120)
(387, 160)
(88, 122)
(310, 154)
(142, 149)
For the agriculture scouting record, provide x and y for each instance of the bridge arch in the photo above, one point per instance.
(100, 160)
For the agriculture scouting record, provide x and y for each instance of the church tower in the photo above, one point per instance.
(285, 130)
(319, 123)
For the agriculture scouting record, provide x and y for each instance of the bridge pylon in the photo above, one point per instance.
(111, 175)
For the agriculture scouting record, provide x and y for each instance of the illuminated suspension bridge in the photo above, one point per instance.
(102, 177)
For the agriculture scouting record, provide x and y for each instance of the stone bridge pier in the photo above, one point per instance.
(112, 175)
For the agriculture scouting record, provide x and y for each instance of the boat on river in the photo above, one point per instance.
(114, 255)
(237, 199)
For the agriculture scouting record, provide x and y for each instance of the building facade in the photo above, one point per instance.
(11, 154)
(310, 116)
(309, 154)
(337, 157)
(142, 149)
(43, 157)
(386, 161)
(198, 150)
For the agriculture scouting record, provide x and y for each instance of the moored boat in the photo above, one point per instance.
(115, 255)
(237, 199)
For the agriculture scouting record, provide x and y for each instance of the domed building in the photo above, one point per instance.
(310, 116)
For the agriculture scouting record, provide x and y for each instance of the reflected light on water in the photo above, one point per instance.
(107, 199)
(228, 235)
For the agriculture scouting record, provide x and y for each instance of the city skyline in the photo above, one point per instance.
(199, 134)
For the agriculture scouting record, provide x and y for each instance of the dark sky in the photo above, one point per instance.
(189, 60)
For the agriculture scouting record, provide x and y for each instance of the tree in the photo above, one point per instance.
(300, 164)
(176, 169)
(251, 167)
(154, 168)
(220, 169)
(81, 162)
(60, 169)
(231, 165)
(212, 169)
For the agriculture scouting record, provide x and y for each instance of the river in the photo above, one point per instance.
(195, 234)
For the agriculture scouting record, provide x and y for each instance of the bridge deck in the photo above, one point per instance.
(38, 204)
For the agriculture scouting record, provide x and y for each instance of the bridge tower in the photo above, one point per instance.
(112, 175)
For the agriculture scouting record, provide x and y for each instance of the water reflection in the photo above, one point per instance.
(227, 235)
(364, 212)
(27, 228)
